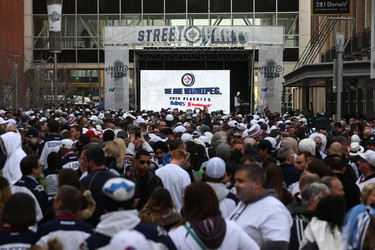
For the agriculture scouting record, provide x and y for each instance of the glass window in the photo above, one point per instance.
(153, 20)
(197, 6)
(40, 7)
(68, 25)
(175, 6)
(107, 20)
(265, 5)
(67, 56)
(243, 19)
(153, 6)
(41, 43)
(40, 26)
(291, 41)
(199, 20)
(288, 5)
(109, 6)
(87, 32)
(131, 20)
(69, 7)
(220, 20)
(131, 6)
(289, 21)
(88, 56)
(242, 6)
(87, 7)
(175, 20)
(265, 19)
(220, 5)
(68, 42)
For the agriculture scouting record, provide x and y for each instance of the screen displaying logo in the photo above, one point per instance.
(188, 79)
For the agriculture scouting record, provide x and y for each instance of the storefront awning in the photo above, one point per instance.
(315, 75)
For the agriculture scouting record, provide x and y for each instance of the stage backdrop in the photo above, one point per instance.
(184, 89)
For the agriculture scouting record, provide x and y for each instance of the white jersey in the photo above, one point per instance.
(175, 179)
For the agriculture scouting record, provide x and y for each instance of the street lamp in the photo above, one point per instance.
(54, 9)
(340, 45)
(14, 63)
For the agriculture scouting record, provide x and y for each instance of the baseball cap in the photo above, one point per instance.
(67, 143)
(186, 137)
(368, 156)
(169, 118)
(119, 189)
(129, 239)
(215, 168)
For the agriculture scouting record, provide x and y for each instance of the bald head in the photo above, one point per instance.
(336, 149)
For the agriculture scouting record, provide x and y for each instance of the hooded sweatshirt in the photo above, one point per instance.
(215, 233)
(114, 222)
(211, 231)
(12, 170)
(226, 204)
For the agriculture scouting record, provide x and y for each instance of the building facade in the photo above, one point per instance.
(314, 82)
(81, 62)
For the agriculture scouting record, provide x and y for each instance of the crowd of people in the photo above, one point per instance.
(90, 179)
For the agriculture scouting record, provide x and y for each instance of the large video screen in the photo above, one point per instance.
(184, 89)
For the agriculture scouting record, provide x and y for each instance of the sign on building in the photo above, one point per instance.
(116, 86)
(331, 7)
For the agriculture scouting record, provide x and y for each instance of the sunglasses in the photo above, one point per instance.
(143, 162)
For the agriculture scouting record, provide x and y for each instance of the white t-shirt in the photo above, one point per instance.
(235, 238)
(175, 179)
(264, 220)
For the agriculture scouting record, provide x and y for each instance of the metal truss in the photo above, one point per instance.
(194, 53)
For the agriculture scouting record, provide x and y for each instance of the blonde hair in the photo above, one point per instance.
(366, 192)
(122, 146)
(112, 149)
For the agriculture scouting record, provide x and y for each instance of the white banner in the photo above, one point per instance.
(270, 78)
(195, 35)
(116, 86)
(54, 17)
(372, 56)
(185, 89)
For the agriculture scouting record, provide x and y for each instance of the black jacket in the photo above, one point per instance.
(145, 185)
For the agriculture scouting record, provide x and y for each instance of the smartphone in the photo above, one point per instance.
(137, 132)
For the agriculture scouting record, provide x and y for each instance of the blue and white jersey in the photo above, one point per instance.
(16, 238)
(51, 143)
(70, 230)
(70, 160)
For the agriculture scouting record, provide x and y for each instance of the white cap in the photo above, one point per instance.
(369, 156)
(186, 137)
(215, 168)
(179, 128)
(93, 118)
(67, 144)
(169, 118)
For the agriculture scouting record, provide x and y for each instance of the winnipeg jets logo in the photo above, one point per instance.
(188, 80)
(192, 34)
